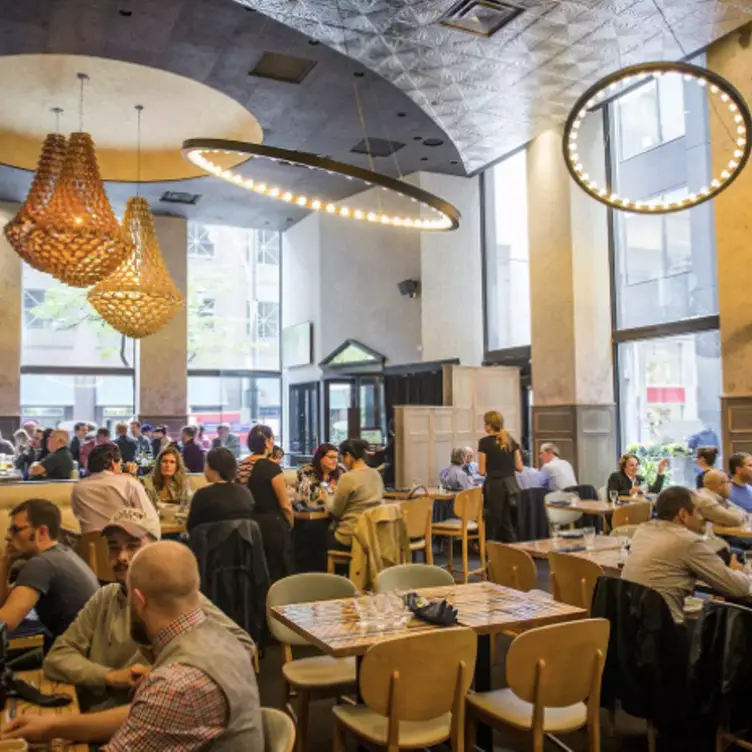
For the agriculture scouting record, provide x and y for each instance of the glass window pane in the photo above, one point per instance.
(669, 398)
(340, 399)
(638, 121)
(671, 102)
(507, 254)
(233, 297)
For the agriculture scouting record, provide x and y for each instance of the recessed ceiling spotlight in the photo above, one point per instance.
(401, 114)
(313, 42)
(359, 74)
(433, 142)
(417, 138)
(424, 159)
(454, 162)
(125, 12)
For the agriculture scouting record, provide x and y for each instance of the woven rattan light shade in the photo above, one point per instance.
(18, 230)
(140, 297)
(77, 237)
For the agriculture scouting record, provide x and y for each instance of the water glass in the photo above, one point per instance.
(588, 534)
(382, 610)
(556, 539)
(747, 521)
(365, 615)
(614, 496)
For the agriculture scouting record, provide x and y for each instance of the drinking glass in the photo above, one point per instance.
(624, 551)
(400, 612)
(556, 539)
(613, 495)
(747, 521)
(363, 607)
(589, 537)
(381, 610)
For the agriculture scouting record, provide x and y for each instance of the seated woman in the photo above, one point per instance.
(627, 482)
(454, 477)
(167, 483)
(223, 499)
(360, 488)
(705, 460)
(324, 469)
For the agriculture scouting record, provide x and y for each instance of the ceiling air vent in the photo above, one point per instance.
(483, 17)
(291, 70)
(180, 197)
(379, 147)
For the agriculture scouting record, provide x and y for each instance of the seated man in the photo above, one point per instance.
(97, 652)
(55, 580)
(58, 464)
(529, 477)
(201, 692)
(95, 499)
(102, 437)
(712, 500)
(454, 477)
(471, 466)
(558, 473)
(669, 555)
(740, 468)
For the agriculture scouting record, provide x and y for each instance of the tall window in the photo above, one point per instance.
(507, 258)
(667, 351)
(74, 366)
(234, 327)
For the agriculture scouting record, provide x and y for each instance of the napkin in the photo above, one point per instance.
(434, 612)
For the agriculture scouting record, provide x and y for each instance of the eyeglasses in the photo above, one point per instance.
(15, 529)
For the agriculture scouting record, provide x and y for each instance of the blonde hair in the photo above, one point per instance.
(495, 421)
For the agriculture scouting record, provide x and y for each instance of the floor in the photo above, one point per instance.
(631, 733)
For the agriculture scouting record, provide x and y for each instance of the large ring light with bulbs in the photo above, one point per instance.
(444, 216)
(717, 86)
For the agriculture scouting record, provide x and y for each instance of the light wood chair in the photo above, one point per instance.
(92, 548)
(554, 676)
(318, 676)
(510, 567)
(573, 579)
(279, 730)
(414, 692)
(333, 558)
(418, 516)
(412, 577)
(467, 525)
(631, 514)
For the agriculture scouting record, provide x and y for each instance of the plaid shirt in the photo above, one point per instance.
(176, 708)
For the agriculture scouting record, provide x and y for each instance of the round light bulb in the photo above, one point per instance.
(331, 208)
(316, 204)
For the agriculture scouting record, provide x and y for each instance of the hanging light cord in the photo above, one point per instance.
(139, 109)
(82, 77)
(58, 111)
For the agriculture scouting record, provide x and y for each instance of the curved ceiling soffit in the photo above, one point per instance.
(493, 95)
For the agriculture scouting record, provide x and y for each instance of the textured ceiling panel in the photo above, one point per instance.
(492, 95)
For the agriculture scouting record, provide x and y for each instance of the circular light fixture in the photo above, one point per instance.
(717, 86)
(444, 216)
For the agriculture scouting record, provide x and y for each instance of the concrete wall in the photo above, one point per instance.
(10, 326)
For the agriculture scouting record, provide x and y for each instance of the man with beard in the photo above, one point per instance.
(201, 692)
(97, 653)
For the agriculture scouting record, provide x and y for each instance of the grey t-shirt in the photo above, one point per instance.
(64, 584)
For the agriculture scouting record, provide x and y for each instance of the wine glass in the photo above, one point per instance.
(613, 494)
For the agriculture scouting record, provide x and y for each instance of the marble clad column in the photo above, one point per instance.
(731, 57)
(11, 292)
(162, 382)
(570, 308)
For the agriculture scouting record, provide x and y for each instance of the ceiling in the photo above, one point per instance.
(492, 95)
(216, 43)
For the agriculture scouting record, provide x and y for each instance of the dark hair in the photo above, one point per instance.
(625, 458)
(102, 457)
(201, 428)
(319, 455)
(277, 452)
(673, 499)
(45, 435)
(708, 453)
(190, 430)
(104, 431)
(41, 512)
(736, 461)
(78, 426)
(356, 448)
(257, 437)
(222, 461)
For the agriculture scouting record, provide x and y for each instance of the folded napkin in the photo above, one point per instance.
(434, 612)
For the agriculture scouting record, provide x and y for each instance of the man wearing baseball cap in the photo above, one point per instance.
(96, 652)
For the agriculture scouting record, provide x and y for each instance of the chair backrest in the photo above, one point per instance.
(92, 548)
(603, 493)
(558, 665)
(468, 505)
(303, 588)
(632, 514)
(412, 577)
(279, 730)
(430, 671)
(510, 566)
(573, 579)
(418, 514)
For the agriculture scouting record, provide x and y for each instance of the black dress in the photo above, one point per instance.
(500, 489)
(621, 482)
(275, 529)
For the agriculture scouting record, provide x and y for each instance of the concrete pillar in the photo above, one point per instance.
(573, 399)
(162, 382)
(11, 292)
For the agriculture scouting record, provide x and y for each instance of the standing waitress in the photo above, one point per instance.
(498, 458)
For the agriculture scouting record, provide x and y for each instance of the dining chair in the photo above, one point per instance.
(510, 567)
(92, 548)
(279, 730)
(561, 515)
(467, 525)
(632, 514)
(414, 691)
(335, 557)
(412, 577)
(418, 516)
(573, 579)
(317, 676)
(554, 677)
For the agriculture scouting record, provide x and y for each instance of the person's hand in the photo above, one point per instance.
(662, 466)
(33, 728)
(127, 678)
(634, 490)
(131, 468)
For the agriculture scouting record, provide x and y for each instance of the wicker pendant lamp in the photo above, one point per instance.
(77, 237)
(18, 230)
(139, 298)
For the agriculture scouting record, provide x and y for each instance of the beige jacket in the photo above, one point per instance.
(716, 509)
(380, 540)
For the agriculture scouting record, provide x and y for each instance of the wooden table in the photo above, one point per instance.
(733, 532)
(598, 507)
(539, 549)
(434, 493)
(172, 527)
(16, 708)
(313, 515)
